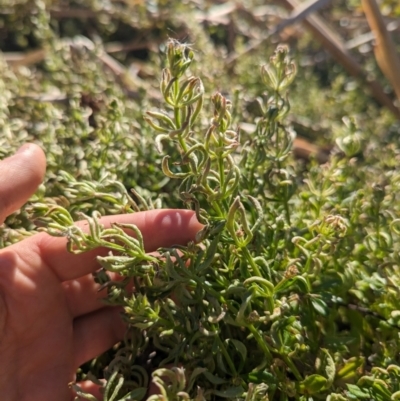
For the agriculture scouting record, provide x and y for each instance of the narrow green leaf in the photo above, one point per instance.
(135, 395)
(319, 306)
(349, 370)
(214, 379)
(358, 392)
(313, 384)
(329, 367)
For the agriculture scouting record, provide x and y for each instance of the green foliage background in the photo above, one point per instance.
(337, 325)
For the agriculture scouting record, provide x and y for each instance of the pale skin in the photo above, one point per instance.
(52, 318)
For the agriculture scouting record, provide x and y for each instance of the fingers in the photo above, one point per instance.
(20, 175)
(160, 228)
(97, 332)
(83, 295)
(92, 388)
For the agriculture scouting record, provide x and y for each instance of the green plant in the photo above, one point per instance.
(291, 289)
(292, 292)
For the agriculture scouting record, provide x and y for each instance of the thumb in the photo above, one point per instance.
(20, 175)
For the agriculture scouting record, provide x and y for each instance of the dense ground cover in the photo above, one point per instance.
(293, 289)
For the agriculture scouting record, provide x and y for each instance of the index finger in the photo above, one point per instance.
(20, 175)
(160, 228)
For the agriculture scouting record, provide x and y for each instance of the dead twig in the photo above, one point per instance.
(370, 36)
(217, 14)
(46, 97)
(299, 13)
(16, 60)
(385, 50)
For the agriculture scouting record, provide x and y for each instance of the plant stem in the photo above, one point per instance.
(263, 345)
(249, 258)
(292, 367)
(182, 143)
(176, 109)
(226, 355)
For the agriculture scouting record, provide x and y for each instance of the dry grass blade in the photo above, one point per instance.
(16, 60)
(218, 13)
(385, 50)
(301, 12)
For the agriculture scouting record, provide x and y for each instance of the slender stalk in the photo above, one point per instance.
(226, 355)
(292, 367)
(250, 260)
(260, 341)
(177, 115)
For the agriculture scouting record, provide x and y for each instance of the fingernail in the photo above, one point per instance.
(23, 148)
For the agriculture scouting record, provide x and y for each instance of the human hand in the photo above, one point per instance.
(52, 318)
